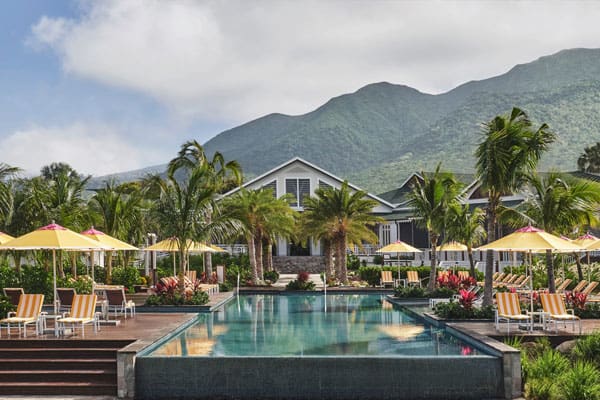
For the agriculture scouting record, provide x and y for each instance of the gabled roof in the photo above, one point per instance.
(312, 166)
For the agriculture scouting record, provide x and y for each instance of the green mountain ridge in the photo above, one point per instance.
(378, 135)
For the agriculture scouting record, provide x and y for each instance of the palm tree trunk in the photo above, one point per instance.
(329, 268)
(181, 272)
(342, 259)
(433, 238)
(208, 256)
(259, 257)
(489, 258)
(269, 255)
(579, 270)
(252, 257)
(74, 264)
(61, 271)
(550, 271)
(471, 262)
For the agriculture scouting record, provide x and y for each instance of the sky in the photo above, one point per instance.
(116, 85)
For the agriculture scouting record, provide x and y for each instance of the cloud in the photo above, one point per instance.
(238, 60)
(96, 150)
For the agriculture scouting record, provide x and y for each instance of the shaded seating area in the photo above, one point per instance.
(65, 299)
(555, 311)
(509, 310)
(412, 278)
(83, 312)
(118, 303)
(28, 312)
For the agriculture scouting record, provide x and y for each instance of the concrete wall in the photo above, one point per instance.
(315, 377)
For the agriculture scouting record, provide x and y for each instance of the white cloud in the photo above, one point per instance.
(237, 60)
(96, 150)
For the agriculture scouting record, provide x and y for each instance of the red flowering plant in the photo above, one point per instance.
(468, 282)
(449, 281)
(466, 298)
(575, 300)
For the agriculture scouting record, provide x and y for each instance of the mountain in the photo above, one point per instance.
(376, 136)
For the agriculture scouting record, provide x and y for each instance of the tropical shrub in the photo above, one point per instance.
(168, 293)
(410, 292)
(35, 279)
(588, 348)
(225, 287)
(301, 282)
(454, 310)
(271, 276)
(126, 276)
(581, 382)
(5, 306)
(378, 259)
(352, 262)
(83, 284)
(542, 374)
(8, 277)
(575, 300)
(441, 293)
(466, 299)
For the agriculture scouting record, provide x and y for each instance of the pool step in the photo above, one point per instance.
(59, 367)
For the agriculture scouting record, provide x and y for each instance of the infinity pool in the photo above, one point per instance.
(311, 325)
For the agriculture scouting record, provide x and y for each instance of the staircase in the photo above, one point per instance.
(59, 367)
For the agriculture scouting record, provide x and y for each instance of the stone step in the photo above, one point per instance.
(61, 343)
(34, 364)
(57, 389)
(55, 353)
(91, 376)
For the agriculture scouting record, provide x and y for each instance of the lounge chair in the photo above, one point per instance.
(523, 285)
(509, 310)
(386, 278)
(556, 312)
(412, 278)
(462, 274)
(561, 288)
(28, 312)
(589, 288)
(191, 275)
(83, 311)
(579, 287)
(65, 298)
(118, 303)
(13, 295)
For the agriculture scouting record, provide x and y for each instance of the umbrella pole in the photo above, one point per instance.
(174, 272)
(54, 279)
(92, 264)
(531, 280)
(589, 266)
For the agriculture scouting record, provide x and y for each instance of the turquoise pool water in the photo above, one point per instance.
(311, 325)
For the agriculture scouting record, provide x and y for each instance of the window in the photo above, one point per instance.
(385, 234)
(298, 188)
(323, 185)
(272, 186)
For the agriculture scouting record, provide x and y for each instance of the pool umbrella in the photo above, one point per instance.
(531, 240)
(216, 248)
(107, 240)
(5, 238)
(170, 246)
(453, 246)
(590, 243)
(398, 247)
(53, 237)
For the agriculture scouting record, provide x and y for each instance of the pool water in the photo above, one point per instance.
(311, 325)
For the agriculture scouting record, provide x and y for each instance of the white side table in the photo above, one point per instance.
(43, 323)
(541, 317)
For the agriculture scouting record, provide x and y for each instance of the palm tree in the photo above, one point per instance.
(223, 176)
(430, 201)
(281, 223)
(7, 194)
(121, 209)
(263, 217)
(466, 226)
(509, 150)
(318, 226)
(184, 206)
(347, 219)
(589, 161)
(558, 204)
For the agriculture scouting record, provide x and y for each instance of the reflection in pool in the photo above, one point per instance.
(311, 325)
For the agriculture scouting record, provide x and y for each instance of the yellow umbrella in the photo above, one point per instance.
(590, 243)
(5, 238)
(532, 240)
(53, 237)
(216, 248)
(398, 247)
(202, 248)
(113, 243)
(170, 245)
(453, 246)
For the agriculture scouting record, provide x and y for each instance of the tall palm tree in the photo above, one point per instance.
(222, 175)
(7, 194)
(510, 149)
(466, 226)
(344, 218)
(431, 200)
(183, 208)
(558, 204)
(589, 161)
(263, 217)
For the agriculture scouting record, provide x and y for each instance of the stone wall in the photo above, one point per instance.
(295, 264)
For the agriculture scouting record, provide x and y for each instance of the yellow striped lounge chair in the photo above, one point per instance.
(386, 278)
(556, 312)
(509, 310)
(561, 288)
(463, 274)
(83, 311)
(589, 288)
(28, 312)
(580, 286)
(412, 278)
